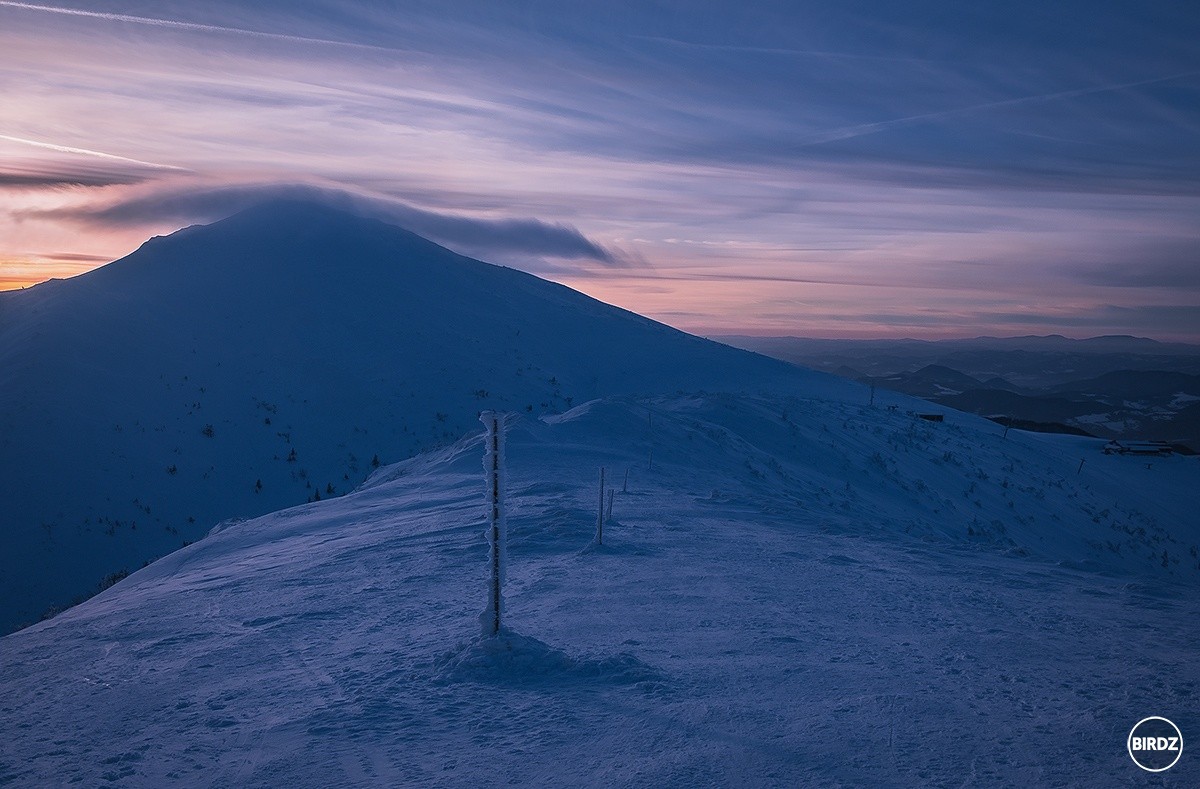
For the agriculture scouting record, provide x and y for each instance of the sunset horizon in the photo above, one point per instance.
(776, 170)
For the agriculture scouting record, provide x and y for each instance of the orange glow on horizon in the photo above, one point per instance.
(19, 273)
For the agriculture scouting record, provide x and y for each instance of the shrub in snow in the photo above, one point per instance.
(112, 578)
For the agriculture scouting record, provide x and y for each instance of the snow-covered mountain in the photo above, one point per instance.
(792, 591)
(274, 357)
(799, 585)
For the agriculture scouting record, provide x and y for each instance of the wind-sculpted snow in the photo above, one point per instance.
(514, 658)
(774, 605)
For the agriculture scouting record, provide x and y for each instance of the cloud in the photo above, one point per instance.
(787, 52)
(1011, 150)
(87, 152)
(182, 25)
(53, 176)
(75, 257)
(1156, 263)
(1178, 320)
(469, 234)
(875, 127)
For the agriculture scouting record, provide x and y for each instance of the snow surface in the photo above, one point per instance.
(1181, 399)
(799, 592)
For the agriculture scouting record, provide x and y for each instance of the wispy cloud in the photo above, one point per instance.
(52, 176)
(875, 127)
(186, 204)
(87, 152)
(176, 24)
(825, 159)
(73, 257)
(1165, 263)
(788, 52)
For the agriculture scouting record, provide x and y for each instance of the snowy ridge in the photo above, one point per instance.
(273, 358)
(789, 569)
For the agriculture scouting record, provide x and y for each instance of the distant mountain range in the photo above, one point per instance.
(1130, 387)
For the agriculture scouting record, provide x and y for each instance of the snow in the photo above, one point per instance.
(802, 591)
(1181, 399)
(798, 587)
(288, 345)
(1100, 420)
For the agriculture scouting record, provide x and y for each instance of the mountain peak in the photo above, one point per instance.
(270, 245)
(286, 345)
(297, 209)
(304, 217)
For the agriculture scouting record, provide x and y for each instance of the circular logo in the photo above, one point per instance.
(1155, 744)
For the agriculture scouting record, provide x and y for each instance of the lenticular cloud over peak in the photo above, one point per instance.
(191, 205)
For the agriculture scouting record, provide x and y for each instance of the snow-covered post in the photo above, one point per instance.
(600, 511)
(608, 512)
(493, 466)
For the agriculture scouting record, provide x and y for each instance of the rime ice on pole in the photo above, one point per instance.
(496, 532)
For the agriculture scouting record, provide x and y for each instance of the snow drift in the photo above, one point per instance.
(799, 592)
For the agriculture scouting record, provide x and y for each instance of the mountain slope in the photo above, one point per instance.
(799, 593)
(274, 357)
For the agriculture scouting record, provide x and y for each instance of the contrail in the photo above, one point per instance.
(781, 51)
(86, 151)
(847, 132)
(178, 25)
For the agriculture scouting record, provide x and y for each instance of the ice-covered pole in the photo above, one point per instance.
(493, 466)
(600, 511)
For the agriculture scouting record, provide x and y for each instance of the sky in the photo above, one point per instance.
(862, 168)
